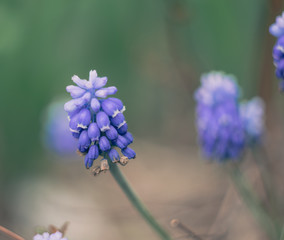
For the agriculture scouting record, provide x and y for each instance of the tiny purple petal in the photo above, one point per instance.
(104, 92)
(118, 102)
(75, 91)
(92, 76)
(99, 82)
(104, 144)
(82, 83)
(103, 121)
(88, 161)
(128, 152)
(113, 155)
(94, 132)
(123, 129)
(95, 105)
(111, 133)
(73, 123)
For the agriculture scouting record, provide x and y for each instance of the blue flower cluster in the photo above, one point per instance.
(97, 121)
(47, 236)
(252, 113)
(277, 30)
(219, 124)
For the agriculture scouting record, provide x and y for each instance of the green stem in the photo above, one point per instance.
(133, 198)
(253, 202)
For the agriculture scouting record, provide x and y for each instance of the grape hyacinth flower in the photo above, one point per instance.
(97, 121)
(277, 30)
(252, 113)
(47, 236)
(219, 124)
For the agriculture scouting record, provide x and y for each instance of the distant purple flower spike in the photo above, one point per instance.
(94, 132)
(129, 153)
(103, 121)
(219, 124)
(104, 92)
(104, 144)
(111, 133)
(95, 119)
(277, 28)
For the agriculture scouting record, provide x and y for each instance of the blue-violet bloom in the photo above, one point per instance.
(277, 30)
(97, 121)
(219, 124)
(46, 236)
(252, 113)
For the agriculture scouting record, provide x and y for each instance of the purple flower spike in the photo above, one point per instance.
(84, 118)
(129, 153)
(84, 140)
(94, 132)
(123, 129)
(103, 121)
(104, 144)
(104, 92)
(118, 121)
(96, 120)
(111, 133)
(113, 155)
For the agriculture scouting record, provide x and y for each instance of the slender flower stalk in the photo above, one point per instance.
(136, 202)
(252, 201)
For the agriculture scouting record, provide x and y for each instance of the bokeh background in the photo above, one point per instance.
(154, 52)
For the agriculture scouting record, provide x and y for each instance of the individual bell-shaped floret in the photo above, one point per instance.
(94, 132)
(128, 152)
(113, 155)
(95, 105)
(119, 104)
(92, 155)
(111, 133)
(121, 142)
(103, 121)
(104, 92)
(84, 140)
(73, 123)
(122, 129)
(110, 108)
(118, 120)
(104, 144)
(84, 118)
(75, 91)
(128, 136)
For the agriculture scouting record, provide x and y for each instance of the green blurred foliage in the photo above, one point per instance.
(43, 43)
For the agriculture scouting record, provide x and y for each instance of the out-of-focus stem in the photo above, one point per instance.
(10, 233)
(253, 202)
(134, 199)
